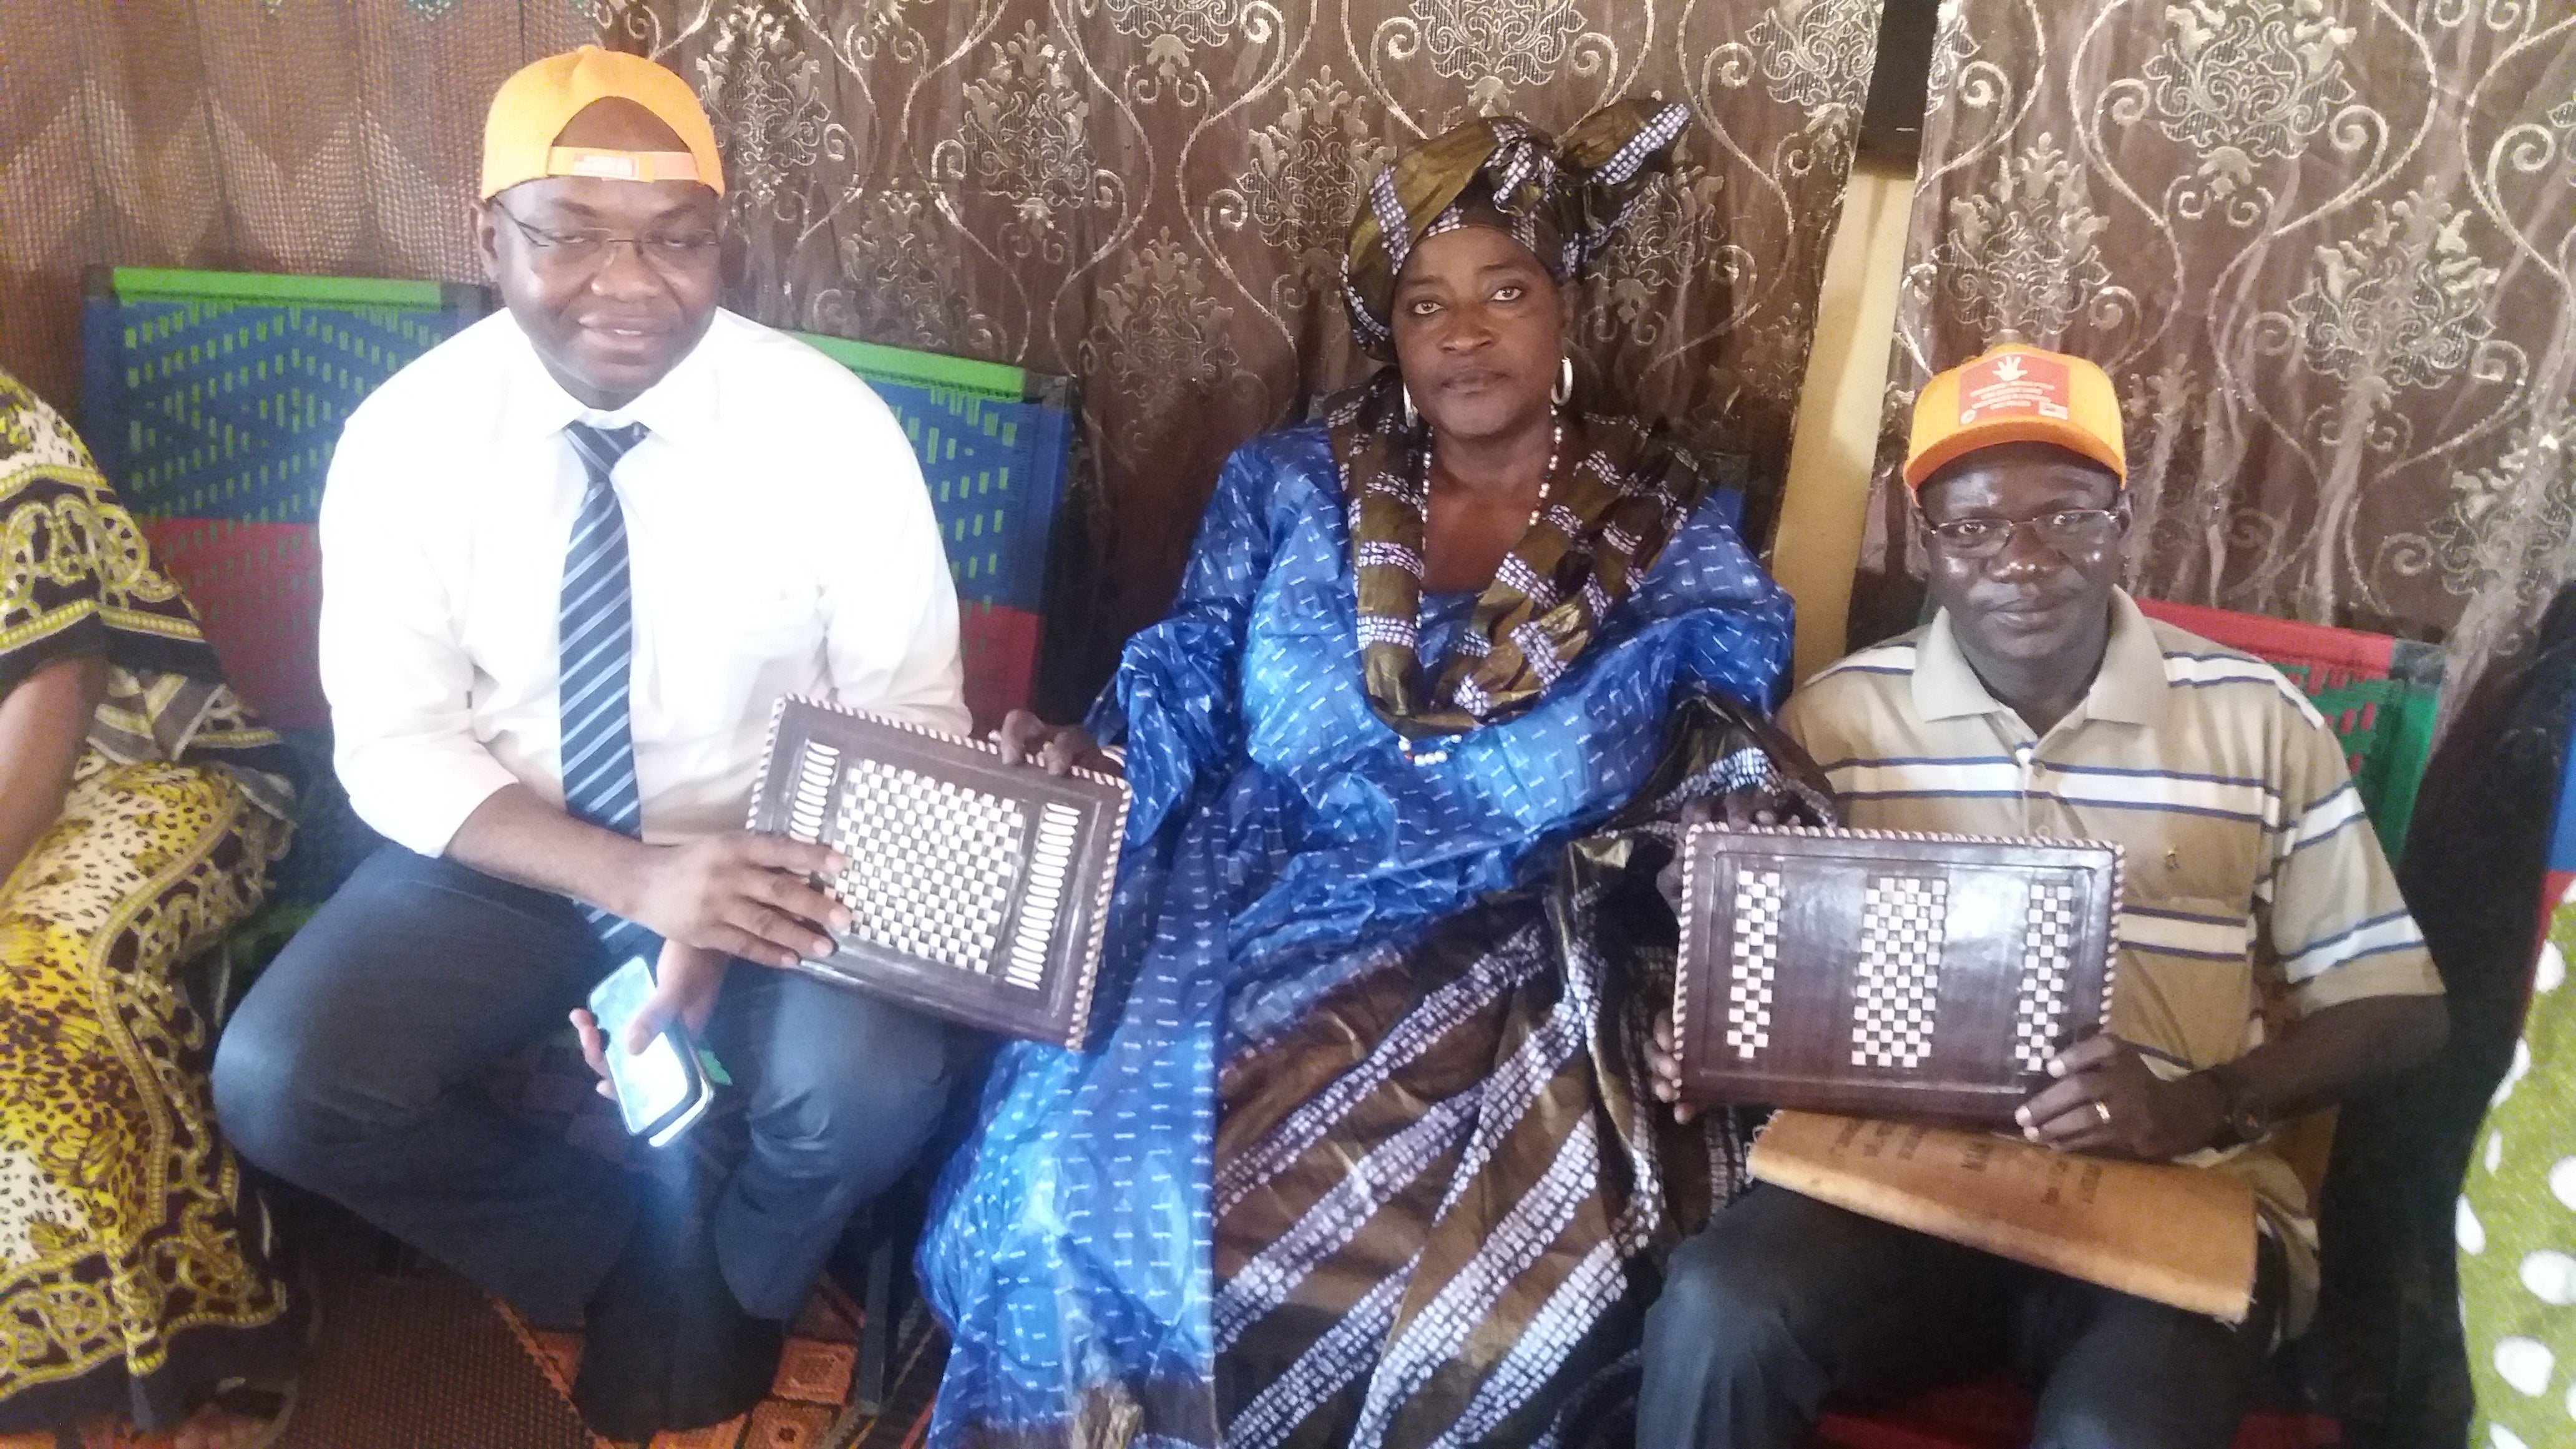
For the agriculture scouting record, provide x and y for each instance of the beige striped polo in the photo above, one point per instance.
(2254, 881)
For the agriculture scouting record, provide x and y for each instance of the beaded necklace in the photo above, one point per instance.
(1546, 480)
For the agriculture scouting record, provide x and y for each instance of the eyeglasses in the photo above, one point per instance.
(2070, 531)
(685, 249)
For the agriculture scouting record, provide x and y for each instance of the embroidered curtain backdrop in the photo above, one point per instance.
(1152, 195)
(1148, 194)
(286, 136)
(2323, 246)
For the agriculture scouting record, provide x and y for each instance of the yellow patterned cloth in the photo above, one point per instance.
(122, 1215)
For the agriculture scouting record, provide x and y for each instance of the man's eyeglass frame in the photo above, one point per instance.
(593, 248)
(2068, 532)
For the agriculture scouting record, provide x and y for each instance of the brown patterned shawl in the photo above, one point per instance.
(77, 581)
(1617, 498)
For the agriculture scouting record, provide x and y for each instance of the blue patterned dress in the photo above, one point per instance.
(1282, 843)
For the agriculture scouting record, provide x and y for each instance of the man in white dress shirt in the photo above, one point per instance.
(570, 558)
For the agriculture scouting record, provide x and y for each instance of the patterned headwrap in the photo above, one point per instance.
(1561, 199)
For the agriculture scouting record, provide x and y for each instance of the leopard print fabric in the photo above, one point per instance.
(121, 1220)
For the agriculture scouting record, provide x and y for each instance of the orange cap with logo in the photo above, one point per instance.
(2015, 393)
(532, 108)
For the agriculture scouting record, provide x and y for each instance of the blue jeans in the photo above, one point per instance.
(358, 1066)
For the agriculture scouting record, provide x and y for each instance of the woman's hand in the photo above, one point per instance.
(2106, 1101)
(1668, 881)
(1664, 1067)
(1734, 810)
(1058, 749)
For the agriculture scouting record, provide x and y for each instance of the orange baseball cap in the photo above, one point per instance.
(532, 108)
(2015, 393)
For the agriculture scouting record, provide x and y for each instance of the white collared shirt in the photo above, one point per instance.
(779, 540)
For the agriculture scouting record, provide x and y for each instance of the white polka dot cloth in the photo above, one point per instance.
(2517, 1226)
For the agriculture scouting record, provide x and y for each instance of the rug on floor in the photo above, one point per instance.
(810, 1404)
(412, 1356)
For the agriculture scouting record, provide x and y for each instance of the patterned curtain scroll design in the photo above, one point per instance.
(1151, 195)
(2324, 248)
(286, 136)
(1148, 194)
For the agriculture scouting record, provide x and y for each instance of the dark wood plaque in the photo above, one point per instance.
(1878, 974)
(980, 889)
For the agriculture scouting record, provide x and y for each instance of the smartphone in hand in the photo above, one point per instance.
(659, 1089)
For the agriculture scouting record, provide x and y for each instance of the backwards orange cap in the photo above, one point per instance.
(2016, 393)
(533, 106)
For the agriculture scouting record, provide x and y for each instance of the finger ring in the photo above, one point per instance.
(2103, 1111)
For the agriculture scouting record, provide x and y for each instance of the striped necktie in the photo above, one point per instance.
(598, 658)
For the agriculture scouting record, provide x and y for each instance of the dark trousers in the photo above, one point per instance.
(358, 1068)
(1783, 1303)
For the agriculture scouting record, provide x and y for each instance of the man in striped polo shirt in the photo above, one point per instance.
(2041, 702)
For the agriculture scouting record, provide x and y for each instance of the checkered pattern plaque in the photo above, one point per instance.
(976, 889)
(1877, 974)
(932, 864)
(2047, 958)
(1757, 952)
(1899, 986)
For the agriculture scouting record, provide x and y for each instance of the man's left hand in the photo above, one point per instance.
(2105, 1100)
(685, 982)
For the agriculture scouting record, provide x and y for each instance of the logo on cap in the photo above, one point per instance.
(2013, 384)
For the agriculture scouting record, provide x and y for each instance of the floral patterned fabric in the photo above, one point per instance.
(148, 133)
(2324, 248)
(1149, 195)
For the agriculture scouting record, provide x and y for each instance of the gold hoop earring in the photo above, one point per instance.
(1564, 380)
